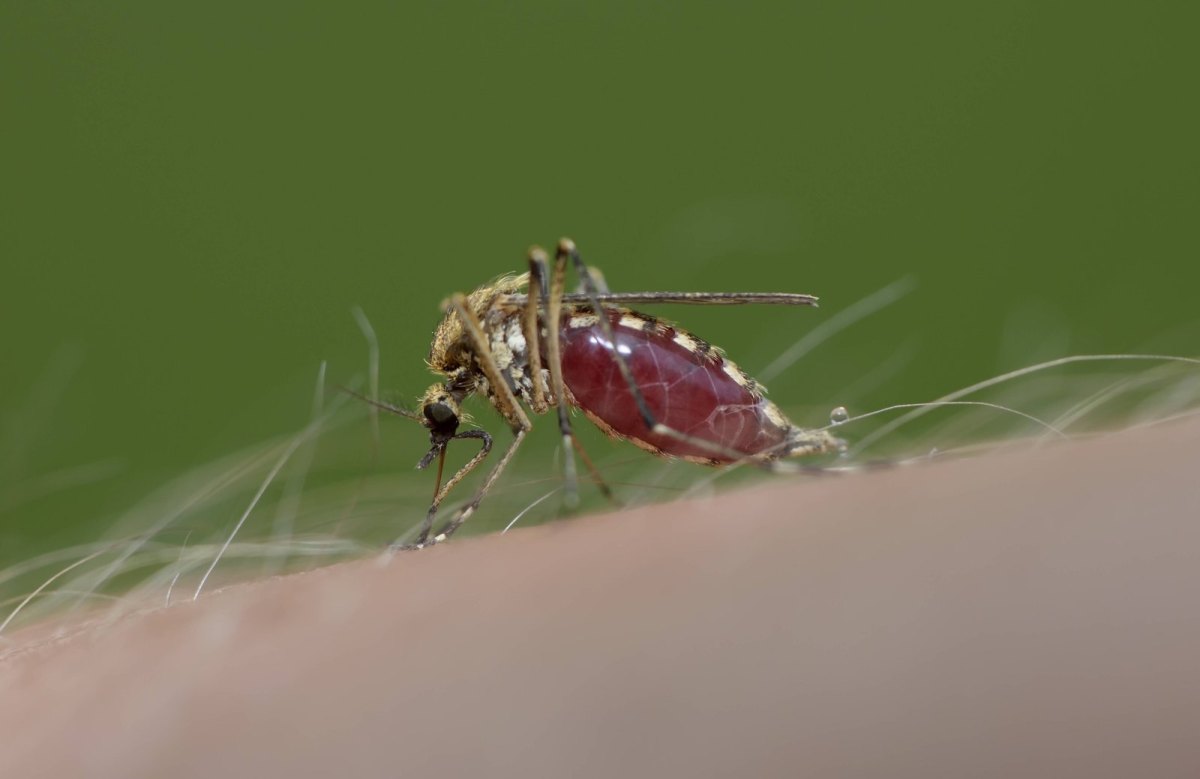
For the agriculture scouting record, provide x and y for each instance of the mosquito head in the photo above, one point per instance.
(441, 412)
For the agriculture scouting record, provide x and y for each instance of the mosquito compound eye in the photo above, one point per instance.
(442, 418)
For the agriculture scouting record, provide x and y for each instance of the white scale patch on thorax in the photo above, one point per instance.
(516, 340)
(502, 354)
(511, 355)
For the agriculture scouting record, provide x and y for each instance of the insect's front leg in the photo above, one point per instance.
(422, 538)
(506, 403)
(464, 513)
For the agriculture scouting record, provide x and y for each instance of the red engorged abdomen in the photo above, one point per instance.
(688, 392)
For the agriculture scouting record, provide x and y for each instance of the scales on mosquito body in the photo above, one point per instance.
(528, 346)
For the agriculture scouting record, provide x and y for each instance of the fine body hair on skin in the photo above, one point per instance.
(858, 617)
(1013, 612)
(170, 547)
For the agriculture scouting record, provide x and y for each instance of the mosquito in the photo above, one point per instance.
(528, 346)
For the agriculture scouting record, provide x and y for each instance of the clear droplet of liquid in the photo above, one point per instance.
(838, 415)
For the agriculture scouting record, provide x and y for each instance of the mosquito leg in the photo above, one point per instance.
(427, 523)
(684, 298)
(599, 481)
(508, 406)
(554, 363)
(539, 295)
(566, 249)
(502, 393)
(464, 513)
(598, 281)
(529, 321)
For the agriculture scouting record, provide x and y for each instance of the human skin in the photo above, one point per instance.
(1029, 612)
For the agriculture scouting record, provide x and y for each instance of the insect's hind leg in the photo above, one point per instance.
(567, 250)
(554, 364)
(539, 294)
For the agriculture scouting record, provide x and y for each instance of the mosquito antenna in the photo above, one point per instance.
(397, 410)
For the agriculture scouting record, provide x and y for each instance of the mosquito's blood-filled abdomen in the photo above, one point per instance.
(687, 390)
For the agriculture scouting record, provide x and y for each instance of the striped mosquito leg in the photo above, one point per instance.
(464, 513)
(427, 524)
(506, 403)
(554, 364)
(539, 296)
(529, 324)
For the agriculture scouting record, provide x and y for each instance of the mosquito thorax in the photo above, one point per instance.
(451, 351)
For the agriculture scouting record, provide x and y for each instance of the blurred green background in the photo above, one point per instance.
(194, 197)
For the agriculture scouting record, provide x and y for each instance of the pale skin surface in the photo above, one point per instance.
(1027, 613)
